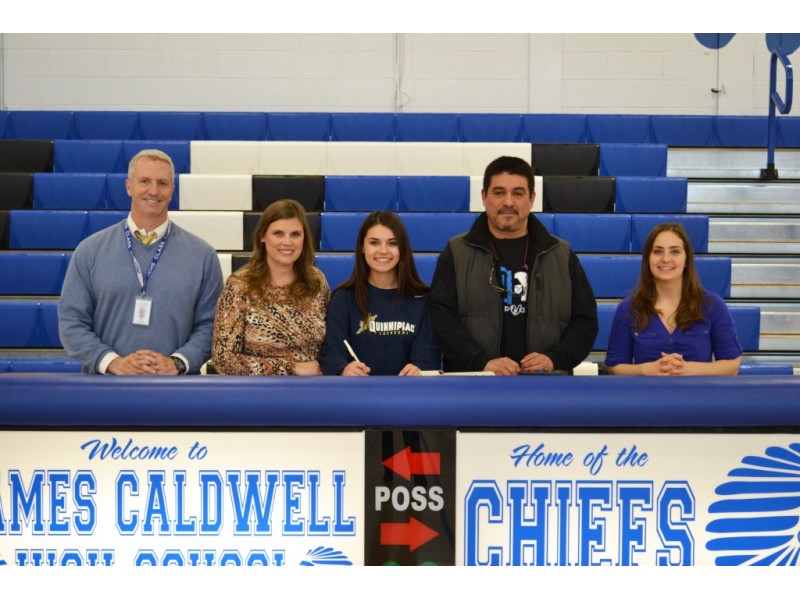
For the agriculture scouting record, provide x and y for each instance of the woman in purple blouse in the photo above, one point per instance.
(671, 325)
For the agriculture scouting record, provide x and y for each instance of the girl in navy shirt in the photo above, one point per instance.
(381, 311)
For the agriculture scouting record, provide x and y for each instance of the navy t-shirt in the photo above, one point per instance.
(511, 273)
(398, 332)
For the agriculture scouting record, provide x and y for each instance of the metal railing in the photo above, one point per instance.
(784, 105)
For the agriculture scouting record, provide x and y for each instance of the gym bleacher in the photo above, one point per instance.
(602, 183)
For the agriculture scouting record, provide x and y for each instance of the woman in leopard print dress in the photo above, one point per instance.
(271, 314)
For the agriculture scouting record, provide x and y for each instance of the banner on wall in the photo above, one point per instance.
(628, 499)
(409, 502)
(298, 498)
(181, 498)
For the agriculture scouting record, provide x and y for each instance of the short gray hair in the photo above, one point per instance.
(153, 154)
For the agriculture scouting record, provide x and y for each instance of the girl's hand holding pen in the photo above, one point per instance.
(355, 368)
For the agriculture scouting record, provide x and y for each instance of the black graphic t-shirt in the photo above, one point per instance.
(511, 274)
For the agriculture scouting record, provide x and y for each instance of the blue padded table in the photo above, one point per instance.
(450, 402)
(133, 445)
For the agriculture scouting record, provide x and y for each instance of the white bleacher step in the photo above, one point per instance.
(729, 197)
(780, 318)
(765, 278)
(729, 163)
(780, 327)
(754, 235)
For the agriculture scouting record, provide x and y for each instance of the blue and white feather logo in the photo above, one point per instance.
(324, 555)
(758, 515)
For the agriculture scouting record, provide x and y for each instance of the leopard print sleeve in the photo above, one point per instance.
(244, 336)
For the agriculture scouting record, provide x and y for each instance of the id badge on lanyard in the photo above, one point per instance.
(141, 310)
(143, 304)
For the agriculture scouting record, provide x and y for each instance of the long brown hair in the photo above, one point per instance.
(408, 280)
(256, 274)
(690, 308)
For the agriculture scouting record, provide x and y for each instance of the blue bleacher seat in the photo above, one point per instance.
(336, 267)
(39, 365)
(612, 276)
(430, 232)
(29, 324)
(769, 369)
(714, 273)
(748, 325)
(433, 194)
(426, 265)
(299, 127)
(48, 319)
(235, 126)
(618, 129)
(4, 124)
(741, 132)
(32, 274)
(747, 319)
(633, 160)
(338, 231)
(554, 129)
(117, 193)
(106, 125)
(693, 131)
(18, 324)
(490, 128)
(362, 127)
(171, 125)
(651, 195)
(548, 220)
(47, 229)
(788, 132)
(88, 156)
(178, 151)
(616, 276)
(99, 220)
(696, 227)
(594, 233)
(356, 193)
(64, 191)
(40, 124)
(426, 127)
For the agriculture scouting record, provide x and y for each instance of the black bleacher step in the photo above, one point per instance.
(565, 159)
(16, 191)
(578, 194)
(26, 156)
(307, 190)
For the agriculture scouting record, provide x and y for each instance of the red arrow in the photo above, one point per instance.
(412, 534)
(407, 463)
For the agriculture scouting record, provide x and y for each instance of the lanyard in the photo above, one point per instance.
(144, 279)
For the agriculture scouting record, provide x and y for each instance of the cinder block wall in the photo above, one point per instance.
(558, 73)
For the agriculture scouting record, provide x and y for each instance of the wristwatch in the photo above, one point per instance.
(179, 365)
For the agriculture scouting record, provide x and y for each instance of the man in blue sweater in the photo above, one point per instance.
(139, 297)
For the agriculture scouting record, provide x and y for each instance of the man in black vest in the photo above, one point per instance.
(507, 296)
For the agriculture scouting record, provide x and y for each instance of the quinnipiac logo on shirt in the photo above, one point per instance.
(385, 327)
(758, 515)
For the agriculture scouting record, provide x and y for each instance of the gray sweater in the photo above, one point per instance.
(95, 311)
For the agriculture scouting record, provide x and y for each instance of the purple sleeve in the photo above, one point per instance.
(620, 338)
(724, 338)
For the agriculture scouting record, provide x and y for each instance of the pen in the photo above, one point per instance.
(350, 350)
